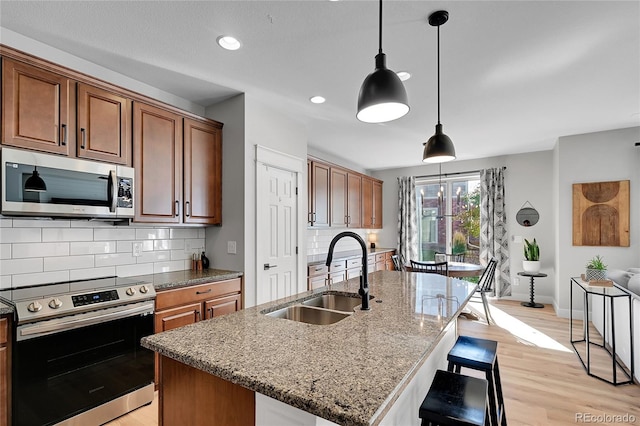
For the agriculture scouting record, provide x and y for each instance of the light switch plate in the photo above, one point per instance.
(231, 247)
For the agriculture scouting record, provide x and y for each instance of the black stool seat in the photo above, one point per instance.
(481, 354)
(454, 399)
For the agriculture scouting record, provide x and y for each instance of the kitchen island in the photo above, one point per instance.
(372, 367)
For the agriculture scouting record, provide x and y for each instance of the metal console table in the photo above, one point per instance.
(609, 294)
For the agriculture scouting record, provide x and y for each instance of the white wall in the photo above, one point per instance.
(594, 157)
(529, 177)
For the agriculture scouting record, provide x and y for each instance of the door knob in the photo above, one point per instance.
(267, 266)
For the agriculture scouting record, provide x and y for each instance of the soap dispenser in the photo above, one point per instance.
(205, 261)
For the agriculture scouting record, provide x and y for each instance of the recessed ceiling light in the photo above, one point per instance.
(317, 99)
(228, 42)
(404, 75)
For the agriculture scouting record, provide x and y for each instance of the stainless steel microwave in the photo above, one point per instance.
(35, 184)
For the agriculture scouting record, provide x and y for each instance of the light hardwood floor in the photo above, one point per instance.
(542, 378)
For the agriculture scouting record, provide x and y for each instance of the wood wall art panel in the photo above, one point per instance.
(601, 214)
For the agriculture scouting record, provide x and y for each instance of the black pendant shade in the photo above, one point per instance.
(439, 148)
(35, 183)
(382, 95)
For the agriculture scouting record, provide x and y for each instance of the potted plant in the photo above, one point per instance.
(596, 269)
(531, 263)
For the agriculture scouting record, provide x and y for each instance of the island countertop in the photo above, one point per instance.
(348, 372)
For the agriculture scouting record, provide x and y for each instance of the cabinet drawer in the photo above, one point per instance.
(317, 282)
(337, 266)
(354, 263)
(314, 270)
(4, 330)
(388, 255)
(197, 293)
(380, 257)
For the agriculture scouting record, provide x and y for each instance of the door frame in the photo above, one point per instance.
(270, 157)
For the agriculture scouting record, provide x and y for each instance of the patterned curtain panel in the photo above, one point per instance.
(494, 240)
(407, 224)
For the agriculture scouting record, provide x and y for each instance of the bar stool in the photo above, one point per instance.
(455, 399)
(480, 354)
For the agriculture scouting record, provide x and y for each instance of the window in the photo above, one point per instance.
(449, 216)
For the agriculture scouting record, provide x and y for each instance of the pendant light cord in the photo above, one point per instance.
(380, 29)
(438, 74)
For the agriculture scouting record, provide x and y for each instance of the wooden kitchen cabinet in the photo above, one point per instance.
(318, 193)
(178, 167)
(104, 125)
(42, 112)
(317, 276)
(371, 203)
(345, 196)
(38, 109)
(5, 370)
(188, 305)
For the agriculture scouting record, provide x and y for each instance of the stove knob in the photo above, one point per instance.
(144, 289)
(55, 303)
(34, 307)
(130, 291)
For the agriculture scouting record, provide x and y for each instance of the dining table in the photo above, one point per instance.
(456, 269)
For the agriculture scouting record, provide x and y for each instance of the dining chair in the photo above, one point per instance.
(457, 257)
(396, 262)
(441, 268)
(485, 285)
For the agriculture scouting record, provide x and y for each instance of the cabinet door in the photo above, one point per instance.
(337, 277)
(354, 200)
(367, 202)
(319, 194)
(104, 125)
(309, 193)
(4, 385)
(202, 173)
(338, 193)
(222, 306)
(352, 273)
(38, 109)
(177, 317)
(157, 159)
(317, 281)
(377, 204)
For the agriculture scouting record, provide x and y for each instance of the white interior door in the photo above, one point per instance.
(277, 233)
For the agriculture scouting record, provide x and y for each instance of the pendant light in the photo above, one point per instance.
(382, 95)
(35, 183)
(439, 147)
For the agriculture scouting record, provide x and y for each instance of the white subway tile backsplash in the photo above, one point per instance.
(6, 223)
(114, 234)
(5, 251)
(91, 224)
(87, 274)
(154, 256)
(196, 244)
(5, 281)
(114, 259)
(22, 250)
(180, 255)
(131, 270)
(171, 266)
(20, 235)
(22, 280)
(183, 233)
(67, 234)
(124, 246)
(152, 234)
(40, 223)
(93, 247)
(68, 262)
(20, 266)
(169, 244)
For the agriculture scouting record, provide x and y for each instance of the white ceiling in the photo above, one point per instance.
(515, 75)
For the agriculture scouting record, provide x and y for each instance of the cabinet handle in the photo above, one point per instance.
(210, 311)
(63, 142)
(310, 217)
(177, 208)
(198, 315)
(84, 138)
(203, 292)
(187, 209)
(314, 217)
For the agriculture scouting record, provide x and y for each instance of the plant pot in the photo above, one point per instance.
(531, 266)
(596, 274)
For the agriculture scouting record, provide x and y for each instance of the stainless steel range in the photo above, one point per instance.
(77, 358)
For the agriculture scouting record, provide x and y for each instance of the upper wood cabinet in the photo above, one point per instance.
(318, 193)
(371, 203)
(104, 125)
(178, 164)
(40, 109)
(354, 200)
(339, 187)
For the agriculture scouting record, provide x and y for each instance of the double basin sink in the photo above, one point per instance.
(324, 309)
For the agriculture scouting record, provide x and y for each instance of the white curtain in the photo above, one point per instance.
(494, 240)
(407, 224)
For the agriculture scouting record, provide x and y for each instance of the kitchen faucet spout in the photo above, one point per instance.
(364, 280)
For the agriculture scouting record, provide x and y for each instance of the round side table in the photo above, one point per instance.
(532, 276)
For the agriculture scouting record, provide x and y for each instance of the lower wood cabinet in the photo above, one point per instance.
(341, 270)
(4, 371)
(187, 305)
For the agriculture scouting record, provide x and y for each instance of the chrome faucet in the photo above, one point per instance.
(364, 281)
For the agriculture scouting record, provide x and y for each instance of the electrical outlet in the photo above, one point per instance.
(137, 249)
(231, 247)
(516, 281)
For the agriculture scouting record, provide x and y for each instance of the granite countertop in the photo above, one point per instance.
(5, 309)
(346, 372)
(168, 280)
(318, 259)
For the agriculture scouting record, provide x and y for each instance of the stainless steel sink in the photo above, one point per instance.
(337, 302)
(309, 315)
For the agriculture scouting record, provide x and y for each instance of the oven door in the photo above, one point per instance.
(59, 375)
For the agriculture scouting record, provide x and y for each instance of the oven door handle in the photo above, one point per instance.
(57, 325)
